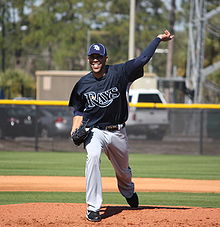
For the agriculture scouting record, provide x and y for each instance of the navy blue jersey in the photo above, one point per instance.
(103, 100)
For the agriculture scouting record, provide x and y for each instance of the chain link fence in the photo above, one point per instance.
(47, 128)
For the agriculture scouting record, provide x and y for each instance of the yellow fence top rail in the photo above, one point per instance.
(34, 102)
(144, 105)
(177, 105)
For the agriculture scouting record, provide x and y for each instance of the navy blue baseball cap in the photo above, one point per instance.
(97, 48)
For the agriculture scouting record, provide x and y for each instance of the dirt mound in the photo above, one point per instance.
(70, 214)
(66, 214)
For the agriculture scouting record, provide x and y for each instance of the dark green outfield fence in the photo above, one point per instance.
(191, 129)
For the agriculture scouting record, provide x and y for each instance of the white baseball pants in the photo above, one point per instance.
(115, 146)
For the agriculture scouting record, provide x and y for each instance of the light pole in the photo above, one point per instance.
(3, 52)
(131, 47)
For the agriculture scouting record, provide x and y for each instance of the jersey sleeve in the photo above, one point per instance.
(76, 101)
(134, 67)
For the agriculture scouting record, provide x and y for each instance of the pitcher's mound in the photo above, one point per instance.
(66, 214)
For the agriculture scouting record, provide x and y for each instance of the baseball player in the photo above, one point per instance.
(100, 99)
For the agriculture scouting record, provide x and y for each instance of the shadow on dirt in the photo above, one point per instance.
(108, 211)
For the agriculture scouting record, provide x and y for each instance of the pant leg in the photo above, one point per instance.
(117, 153)
(94, 146)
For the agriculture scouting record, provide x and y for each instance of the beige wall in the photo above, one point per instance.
(57, 85)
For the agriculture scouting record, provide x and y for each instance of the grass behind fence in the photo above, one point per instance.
(143, 165)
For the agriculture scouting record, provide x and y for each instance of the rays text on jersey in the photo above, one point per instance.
(102, 99)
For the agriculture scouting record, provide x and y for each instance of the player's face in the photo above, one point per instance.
(97, 62)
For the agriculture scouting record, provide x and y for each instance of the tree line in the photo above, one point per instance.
(54, 34)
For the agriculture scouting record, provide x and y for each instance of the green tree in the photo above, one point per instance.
(59, 28)
(17, 83)
(56, 31)
(53, 34)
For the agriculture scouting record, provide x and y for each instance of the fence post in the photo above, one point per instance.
(36, 129)
(201, 132)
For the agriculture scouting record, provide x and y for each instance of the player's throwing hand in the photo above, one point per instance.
(166, 36)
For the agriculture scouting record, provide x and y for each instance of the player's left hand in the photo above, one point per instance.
(79, 135)
(166, 36)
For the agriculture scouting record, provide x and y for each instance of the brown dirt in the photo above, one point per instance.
(66, 214)
(77, 184)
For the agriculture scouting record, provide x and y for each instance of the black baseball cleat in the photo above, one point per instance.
(133, 201)
(93, 216)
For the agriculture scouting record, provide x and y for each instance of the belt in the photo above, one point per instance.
(110, 127)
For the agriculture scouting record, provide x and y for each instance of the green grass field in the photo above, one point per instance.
(143, 165)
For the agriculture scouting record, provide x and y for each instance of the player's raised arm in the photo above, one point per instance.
(150, 49)
(133, 65)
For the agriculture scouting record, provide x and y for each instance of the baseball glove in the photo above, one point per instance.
(80, 134)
